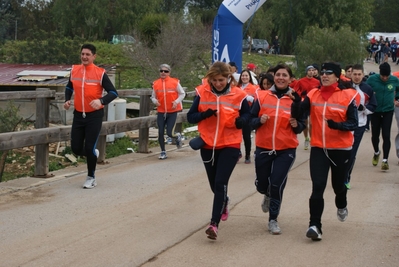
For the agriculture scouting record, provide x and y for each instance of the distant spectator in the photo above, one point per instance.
(276, 45)
(251, 67)
(234, 69)
(348, 71)
(394, 48)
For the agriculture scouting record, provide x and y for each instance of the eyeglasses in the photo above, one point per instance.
(326, 72)
(164, 71)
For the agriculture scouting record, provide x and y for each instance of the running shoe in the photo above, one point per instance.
(212, 231)
(97, 153)
(307, 142)
(90, 182)
(274, 229)
(247, 159)
(163, 155)
(265, 204)
(384, 166)
(376, 158)
(225, 214)
(342, 214)
(313, 233)
(179, 142)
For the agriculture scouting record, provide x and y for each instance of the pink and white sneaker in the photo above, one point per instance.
(212, 231)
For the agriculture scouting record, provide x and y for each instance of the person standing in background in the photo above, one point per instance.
(167, 95)
(87, 82)
(221, 111)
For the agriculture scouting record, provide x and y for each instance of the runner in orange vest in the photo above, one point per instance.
(276, 142)
(167, 95)
(334, 116)
(88, 82)
(221, 110)
(246, 83)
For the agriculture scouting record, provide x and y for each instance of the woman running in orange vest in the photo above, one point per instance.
(334, 116)
(221, 110)
(276, 141)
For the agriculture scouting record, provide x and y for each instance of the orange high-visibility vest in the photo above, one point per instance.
(87, 86)
(166, 92)
(220, 130)
(334, 108)
(276, 133)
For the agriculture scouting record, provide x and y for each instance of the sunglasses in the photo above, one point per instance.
(164, 71)
(326, 72)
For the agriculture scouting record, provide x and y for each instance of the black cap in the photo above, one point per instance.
(332, 66)
(385, 69)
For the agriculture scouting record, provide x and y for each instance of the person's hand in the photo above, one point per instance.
(96, 104)
(157, 103)
(239, 123)
(208, 113)
(396, 103)
(174, 105)
(294, 96)
(360, 107)
(293, 122)
(250, 98)
(67, 104)
(264, 118)
(332, 124)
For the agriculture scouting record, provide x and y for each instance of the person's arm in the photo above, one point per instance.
(351, 122)
(299, 108)
(300, 125)
(68, 94)
(181, 93)
(110, 89)
(255, 120)
(194, 116)
(68, 91)
(372, 101)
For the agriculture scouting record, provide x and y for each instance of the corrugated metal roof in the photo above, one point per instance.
(9, 74)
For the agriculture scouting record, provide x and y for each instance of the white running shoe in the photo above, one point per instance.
(314, 233)
(97, 152)
(162, 155)
(90, 183)
(342, 214)
(274, 229)
(265, 204)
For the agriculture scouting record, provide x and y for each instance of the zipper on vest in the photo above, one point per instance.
(83, 92)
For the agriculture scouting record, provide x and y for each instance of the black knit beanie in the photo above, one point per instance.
(385, 69)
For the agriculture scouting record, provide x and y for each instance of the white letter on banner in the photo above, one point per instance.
(215, 45)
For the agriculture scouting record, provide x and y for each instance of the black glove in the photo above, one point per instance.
(360, 108)
(304, 93)
(239, 123)
(297, 97)
(208, 113)
(333, 125)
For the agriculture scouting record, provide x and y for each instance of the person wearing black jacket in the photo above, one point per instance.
(367, 105)
(334, 116)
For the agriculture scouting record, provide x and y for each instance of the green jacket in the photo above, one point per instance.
(385, 92)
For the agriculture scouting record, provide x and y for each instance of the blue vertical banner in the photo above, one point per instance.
(227, 32)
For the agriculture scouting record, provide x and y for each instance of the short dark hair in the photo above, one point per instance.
(91, 47)
(283, 66)
(358, 67)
